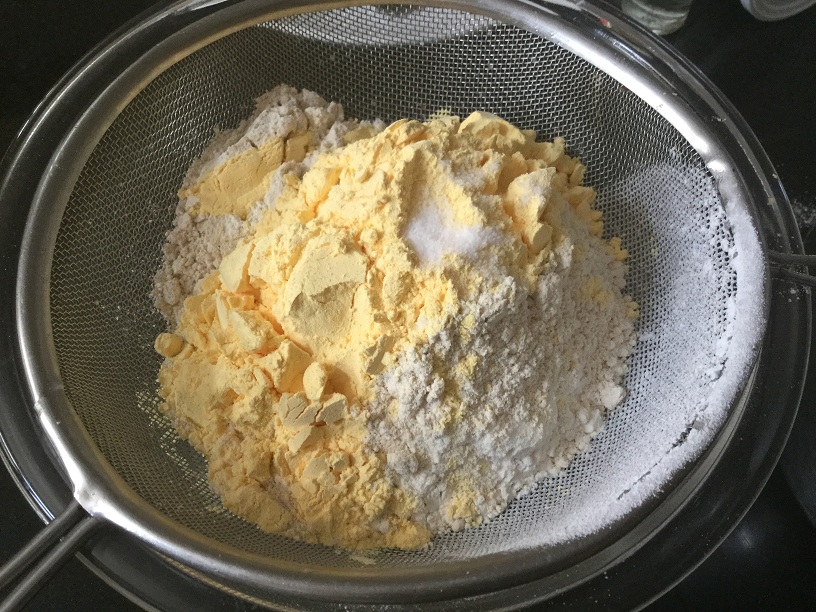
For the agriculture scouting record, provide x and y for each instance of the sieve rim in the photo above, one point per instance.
(53, 393)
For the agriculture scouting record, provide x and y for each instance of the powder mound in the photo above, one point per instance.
(412, 326)
(509, 390)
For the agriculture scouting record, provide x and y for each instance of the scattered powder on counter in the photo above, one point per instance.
(416, 323)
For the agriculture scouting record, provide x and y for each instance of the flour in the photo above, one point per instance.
(192, 250)
(544, 366)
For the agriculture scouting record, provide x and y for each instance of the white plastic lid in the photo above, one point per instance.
(774, 10)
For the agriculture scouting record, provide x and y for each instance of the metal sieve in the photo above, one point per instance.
(678, 180)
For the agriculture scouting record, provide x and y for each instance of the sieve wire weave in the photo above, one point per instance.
(653, 189)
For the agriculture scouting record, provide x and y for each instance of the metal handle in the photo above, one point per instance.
(73, 527)
(778, 260)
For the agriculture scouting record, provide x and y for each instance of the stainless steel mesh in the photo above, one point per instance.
(390, 63)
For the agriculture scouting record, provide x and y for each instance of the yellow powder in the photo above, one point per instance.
(270, 369)
(235, 185)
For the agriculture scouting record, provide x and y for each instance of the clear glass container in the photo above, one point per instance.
(660, 16)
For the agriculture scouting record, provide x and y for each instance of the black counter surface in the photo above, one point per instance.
(767, 70)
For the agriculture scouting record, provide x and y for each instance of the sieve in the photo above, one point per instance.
(679, 178)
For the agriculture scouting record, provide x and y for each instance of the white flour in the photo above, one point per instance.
(548, 365)
(193, 249)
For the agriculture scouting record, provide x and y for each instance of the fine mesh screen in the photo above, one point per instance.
(653, 189)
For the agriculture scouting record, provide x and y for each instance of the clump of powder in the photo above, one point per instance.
(198, 241)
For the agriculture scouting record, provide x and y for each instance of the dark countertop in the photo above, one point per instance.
(767, 70)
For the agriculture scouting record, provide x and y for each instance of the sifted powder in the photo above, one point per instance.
(415, 327)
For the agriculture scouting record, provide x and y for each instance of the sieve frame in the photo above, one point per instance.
(49, 401)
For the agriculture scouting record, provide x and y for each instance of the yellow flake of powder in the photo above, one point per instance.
(168, 345)
(234, 186)
(314, 381)
(461, 505)
(466, 367)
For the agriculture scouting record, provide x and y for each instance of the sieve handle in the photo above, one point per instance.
(790, 259)
(73, 527)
